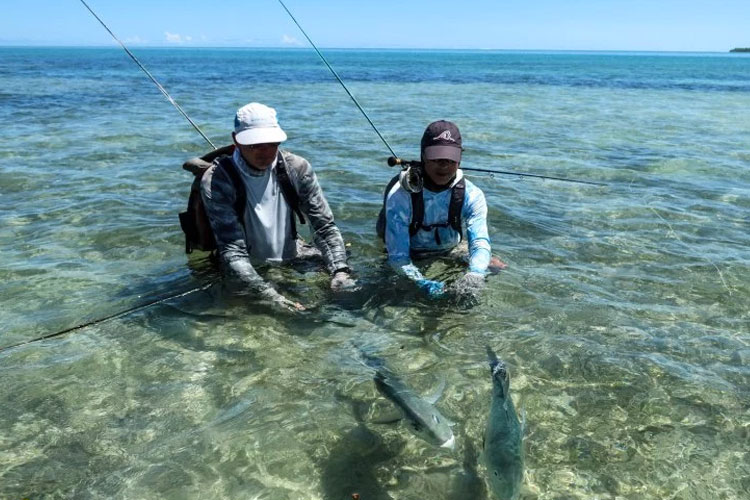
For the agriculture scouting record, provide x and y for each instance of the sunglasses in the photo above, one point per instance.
(265, 145)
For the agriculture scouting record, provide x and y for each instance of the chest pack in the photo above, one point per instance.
(458, 193)
(194, 221)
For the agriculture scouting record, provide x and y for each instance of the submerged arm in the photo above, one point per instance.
(475, 214)
(398, 243)
(219, 197)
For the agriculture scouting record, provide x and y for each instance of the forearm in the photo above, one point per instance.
(405, 267)
(238, 269)
(327, 238)
(479, 256)
(480, 250)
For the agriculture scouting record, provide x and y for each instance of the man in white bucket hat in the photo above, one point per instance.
(253, 195)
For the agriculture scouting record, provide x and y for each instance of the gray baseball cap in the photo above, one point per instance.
(256, 123)
(441, 141)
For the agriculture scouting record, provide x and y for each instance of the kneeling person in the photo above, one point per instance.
(428, 221)
(252, 196)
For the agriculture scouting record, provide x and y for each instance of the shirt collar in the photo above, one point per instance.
(456, 179)
(240, 162)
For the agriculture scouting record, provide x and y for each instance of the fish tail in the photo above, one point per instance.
(499, 371)
(491, 355)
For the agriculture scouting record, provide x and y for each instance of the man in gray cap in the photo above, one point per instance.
(427, 217)
(252, 196)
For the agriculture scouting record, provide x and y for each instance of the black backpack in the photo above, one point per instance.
(194, 221)
(458, 193)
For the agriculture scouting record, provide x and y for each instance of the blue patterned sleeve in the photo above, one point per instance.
(475, 215)
(397, 239)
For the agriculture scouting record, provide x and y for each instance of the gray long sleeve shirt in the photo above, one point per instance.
(265, 234)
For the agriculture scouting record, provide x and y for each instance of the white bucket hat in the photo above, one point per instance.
(256, 123)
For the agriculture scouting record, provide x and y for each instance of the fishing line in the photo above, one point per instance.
(113, 316)
(158, 85)
(508, 172)
(397, 160)
(392, 161)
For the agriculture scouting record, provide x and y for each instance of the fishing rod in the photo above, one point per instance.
(153, 302)
(158, 85)
(339, 79)
(110, 317)
(395, 160)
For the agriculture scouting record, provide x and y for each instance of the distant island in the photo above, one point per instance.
(741, 49)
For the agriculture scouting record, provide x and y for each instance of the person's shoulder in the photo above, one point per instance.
(397, 195)
(295, 161)
(216, 174)
(472, 188)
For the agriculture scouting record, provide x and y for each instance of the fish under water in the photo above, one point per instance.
(503, 440)
(422, 418)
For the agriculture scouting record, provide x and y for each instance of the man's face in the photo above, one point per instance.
(259, 156)
(440, 172)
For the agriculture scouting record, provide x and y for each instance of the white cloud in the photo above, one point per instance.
(177, 38)
(290, 40)
(135, 40)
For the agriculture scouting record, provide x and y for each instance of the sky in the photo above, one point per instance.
(650, 25)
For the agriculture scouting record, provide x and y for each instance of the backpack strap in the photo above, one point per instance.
(380, 225)
(226, 163)
(288, 191)
(388, 188)
(458, 194)
(417, 213)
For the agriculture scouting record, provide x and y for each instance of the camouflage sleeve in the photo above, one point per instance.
(325, 233)
(219, 196)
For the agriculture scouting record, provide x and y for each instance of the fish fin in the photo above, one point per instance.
(523, 422)
(437, 393)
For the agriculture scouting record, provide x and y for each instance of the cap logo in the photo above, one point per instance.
(444, 136)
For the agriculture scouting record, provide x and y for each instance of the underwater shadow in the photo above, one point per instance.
(351, 466)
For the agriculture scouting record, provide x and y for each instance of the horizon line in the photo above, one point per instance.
(281, 47)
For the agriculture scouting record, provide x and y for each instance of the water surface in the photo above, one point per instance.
(623, 315)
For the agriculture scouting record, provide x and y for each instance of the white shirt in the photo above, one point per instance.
(268, 228)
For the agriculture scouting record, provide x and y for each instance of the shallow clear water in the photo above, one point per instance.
(623, 315)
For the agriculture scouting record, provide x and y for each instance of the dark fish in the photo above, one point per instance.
(420, 414)
(503, 440)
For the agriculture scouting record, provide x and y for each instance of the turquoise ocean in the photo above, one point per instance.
(624, 314)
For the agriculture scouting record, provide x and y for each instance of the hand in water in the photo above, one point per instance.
(278, 301)
(468, 288)
(496, 265)
(342, 281)
(433, 289)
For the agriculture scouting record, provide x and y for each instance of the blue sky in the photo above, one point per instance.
(662, 25)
